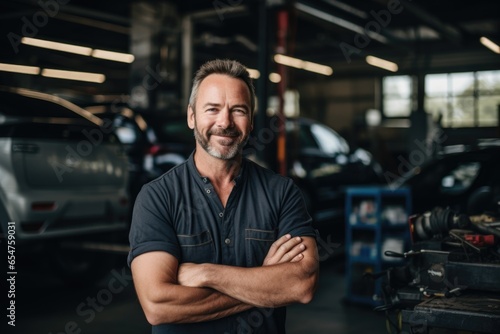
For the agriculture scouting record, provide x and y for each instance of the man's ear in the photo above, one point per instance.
(190, 117)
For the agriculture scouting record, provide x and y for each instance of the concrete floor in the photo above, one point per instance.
(328, 313)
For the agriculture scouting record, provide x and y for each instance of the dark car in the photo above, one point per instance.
(153, 143)
(463, 179)
(323, 165)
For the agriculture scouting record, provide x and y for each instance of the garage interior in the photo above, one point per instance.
(412, 85)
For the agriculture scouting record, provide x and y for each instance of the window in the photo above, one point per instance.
(397, 100)
(463, 99)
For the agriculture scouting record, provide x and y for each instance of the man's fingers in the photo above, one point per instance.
(285, 249)
(298, 258)
(294, 254)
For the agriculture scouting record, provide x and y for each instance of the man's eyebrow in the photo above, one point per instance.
(211, 104)
(244, 106)
(214, 104)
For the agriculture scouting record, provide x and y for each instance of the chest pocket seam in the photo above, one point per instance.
(197, 248)
(257, 244)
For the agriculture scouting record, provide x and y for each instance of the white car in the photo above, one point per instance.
(63, 179)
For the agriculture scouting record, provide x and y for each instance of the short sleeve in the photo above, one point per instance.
(294, 218)
(151, 228)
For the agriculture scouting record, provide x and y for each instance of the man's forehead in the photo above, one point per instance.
(216, 85)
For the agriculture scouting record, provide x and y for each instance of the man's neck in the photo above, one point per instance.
(220, 172)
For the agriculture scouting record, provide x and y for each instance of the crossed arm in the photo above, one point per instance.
(173, 293)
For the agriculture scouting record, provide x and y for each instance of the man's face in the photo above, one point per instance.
(222, 121)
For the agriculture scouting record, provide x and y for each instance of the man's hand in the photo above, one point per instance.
(190, 274)
(285, 249)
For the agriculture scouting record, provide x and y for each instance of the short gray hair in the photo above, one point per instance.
(231, 68)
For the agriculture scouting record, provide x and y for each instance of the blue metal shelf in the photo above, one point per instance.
(376, 198)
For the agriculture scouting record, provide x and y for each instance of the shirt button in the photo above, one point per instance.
(205, 179)
(208, 191)
(221, 214)
(227, 241)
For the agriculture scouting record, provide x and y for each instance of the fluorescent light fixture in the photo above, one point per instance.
(114, 56)
(19, 69)
(274, 77)
(490, 44)
(303, 65)
(254, 74)
(81, 50)
(379, 62)
(72, 75)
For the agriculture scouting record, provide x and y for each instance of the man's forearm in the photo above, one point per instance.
(271, 286)
(192, 305)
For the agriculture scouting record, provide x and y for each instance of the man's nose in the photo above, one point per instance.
(225, 119)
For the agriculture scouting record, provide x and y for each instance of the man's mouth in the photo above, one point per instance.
(229, 134)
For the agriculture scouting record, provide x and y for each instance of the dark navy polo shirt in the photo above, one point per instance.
(180, 213)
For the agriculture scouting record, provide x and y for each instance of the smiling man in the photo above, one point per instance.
(218, 243)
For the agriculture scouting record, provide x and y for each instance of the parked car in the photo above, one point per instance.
(323, 165)
(63, 181)
(153, 143)
(465, 179)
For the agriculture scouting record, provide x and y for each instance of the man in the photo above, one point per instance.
(218, 243)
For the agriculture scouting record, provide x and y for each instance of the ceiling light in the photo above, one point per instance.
(379, 62)
(303, 65)
(254, 74)
(81, 50)
(72, 75)
(114, 56)
(490, 44)
(274, 77)
(19, 69)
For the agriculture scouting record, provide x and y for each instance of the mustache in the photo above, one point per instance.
(224, 132)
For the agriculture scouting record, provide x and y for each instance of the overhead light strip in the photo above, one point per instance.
(80, 50)
(490, 44)
(303, 64)
(33, 70)
(114, 56)
(53, 73)
(73, 75)
(382, 63)
(40, 43)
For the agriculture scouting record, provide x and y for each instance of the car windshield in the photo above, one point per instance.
(328, 140)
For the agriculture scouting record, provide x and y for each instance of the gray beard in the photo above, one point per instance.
(234, 150)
